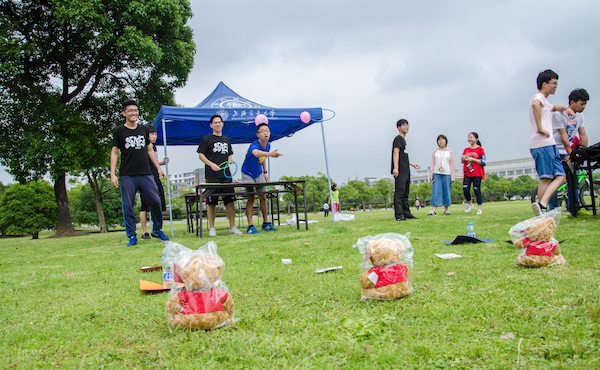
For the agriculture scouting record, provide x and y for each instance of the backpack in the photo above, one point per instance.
(582, 153)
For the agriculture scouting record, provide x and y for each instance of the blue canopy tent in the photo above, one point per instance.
(187, 126)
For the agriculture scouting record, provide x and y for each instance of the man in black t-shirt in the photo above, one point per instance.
(401, 172)
(131, 139)
(214, 150)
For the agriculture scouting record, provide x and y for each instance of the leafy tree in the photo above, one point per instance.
(64, 64)
(385, 187)
(84, 208)
(424, 191)
(28, 209)
(456, 190)
(2, 190)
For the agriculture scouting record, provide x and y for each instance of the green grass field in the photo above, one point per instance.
(75, 302)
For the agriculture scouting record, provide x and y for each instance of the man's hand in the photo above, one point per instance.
(266, 177)
(214, 167)
(395, 172)
(162, 174)
(544, 132)
(114, 181)
(275, 153)
(570, 112)
(416, 166)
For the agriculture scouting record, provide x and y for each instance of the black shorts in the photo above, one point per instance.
(213, 199)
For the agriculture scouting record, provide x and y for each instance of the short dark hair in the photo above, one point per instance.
(128, 102)
(215, 116)
(151, 128)
(333, 186)
(578, 94)
(261, 125)
(545, 76)
(442, 137)
(401, 122)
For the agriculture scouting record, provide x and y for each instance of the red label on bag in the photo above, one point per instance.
(202, 302)
(539, 248)
(389, 275)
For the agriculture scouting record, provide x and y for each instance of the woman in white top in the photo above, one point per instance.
(441, 174)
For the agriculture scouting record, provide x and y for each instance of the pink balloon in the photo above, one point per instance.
(261, 118)
(305, 117)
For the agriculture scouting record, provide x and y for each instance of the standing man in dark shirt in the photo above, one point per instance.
(215, 149)
(133, 142)
(401, 172)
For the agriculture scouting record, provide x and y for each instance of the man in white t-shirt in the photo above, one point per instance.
(568, 133)
(541, 142)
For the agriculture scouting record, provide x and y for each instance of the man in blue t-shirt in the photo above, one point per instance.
(254, 170)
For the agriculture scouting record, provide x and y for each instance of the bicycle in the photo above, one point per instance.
(584, 192)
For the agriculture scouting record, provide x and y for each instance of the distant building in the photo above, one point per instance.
(510, 169)
(187, 179)
(371, 181)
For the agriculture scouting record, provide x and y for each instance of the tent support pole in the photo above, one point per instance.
(164, 129)
(327, 167)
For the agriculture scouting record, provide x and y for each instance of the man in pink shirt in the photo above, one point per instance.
(541, 142)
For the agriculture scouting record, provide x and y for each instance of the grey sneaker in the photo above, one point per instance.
(446, 213)
(538, 208)
(234, 230)
(212, 232)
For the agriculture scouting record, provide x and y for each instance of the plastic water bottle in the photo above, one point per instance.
(470, 230)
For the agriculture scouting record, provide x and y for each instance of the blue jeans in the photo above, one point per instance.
(441, 190)
(147, 187)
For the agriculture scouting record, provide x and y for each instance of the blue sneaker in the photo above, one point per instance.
(132, 241)
(160, 235)
(268, 227)
(251, 230)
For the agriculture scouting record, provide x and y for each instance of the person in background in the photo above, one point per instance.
(215, 149)
(335, 198)
(473, 160)
(541, 141)
(441, 174)
(325, 209)
(401, 171)
(569, 132)
(254, 170)
(145, 207)
(133, 142)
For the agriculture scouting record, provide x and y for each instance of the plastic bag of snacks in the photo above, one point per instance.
(203, 302)
(534, 239)
(387, 260)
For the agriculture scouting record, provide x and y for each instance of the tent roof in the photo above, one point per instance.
(187, 126)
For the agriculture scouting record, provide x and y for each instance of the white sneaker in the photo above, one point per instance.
(432, 214)
(469, 208)
(479, 212)
(234, 230)
(212, 232)
(446, 213)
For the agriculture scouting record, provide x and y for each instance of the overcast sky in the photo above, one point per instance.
(448, 67)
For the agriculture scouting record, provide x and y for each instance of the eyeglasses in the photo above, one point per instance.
(264, 131)
(555, 83)
(131, 111)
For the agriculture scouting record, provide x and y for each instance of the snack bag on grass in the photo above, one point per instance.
(387, 260)
(204, 302)
(534, 239)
